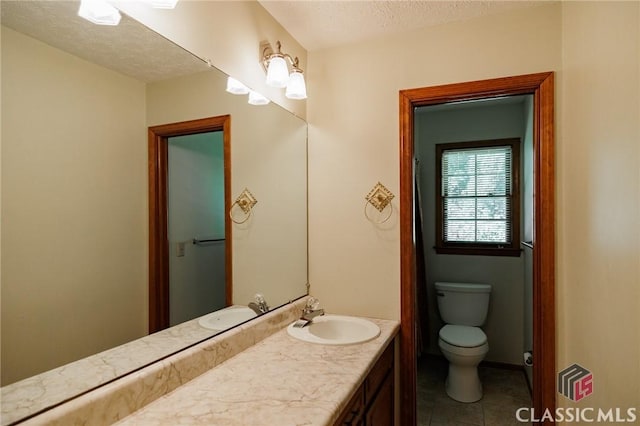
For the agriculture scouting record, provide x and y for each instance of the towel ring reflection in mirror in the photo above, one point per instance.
(379, 197)
(245, 202)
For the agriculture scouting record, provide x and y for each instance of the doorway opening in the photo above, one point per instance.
(541, 87)
(162, 139)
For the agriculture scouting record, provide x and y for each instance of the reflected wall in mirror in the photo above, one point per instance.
(75, 195)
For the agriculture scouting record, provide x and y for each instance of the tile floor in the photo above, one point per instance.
(504, 391)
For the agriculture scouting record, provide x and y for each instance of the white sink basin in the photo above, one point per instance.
(226, 318)
(336, 330)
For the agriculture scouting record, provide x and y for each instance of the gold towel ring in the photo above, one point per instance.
(245, 201)
(239, 222)
(376, 221)
(379, 197)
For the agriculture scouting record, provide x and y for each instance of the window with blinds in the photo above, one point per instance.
(478, 195)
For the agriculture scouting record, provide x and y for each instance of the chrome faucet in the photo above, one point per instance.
(311, 309)
(260, 305)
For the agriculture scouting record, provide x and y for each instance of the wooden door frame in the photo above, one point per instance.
(541, 85)
(158, 238)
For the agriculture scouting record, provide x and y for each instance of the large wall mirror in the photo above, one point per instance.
(77, 102)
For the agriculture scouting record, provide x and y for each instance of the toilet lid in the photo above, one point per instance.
(463, 335)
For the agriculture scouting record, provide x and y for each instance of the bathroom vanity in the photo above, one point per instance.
(284, 381)
(373, 402)
(256, 374)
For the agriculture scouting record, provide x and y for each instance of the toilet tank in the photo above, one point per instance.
(463, 303)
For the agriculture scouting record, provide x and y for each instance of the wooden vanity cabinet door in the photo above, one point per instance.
(378, 374)
(378, 391)
(353, 415)
(372, 404)
(380, 412)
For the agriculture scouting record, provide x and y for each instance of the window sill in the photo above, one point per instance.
(479, 251)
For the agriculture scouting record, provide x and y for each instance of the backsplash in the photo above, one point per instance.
(122, 397)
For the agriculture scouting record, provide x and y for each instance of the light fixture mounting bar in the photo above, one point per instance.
(283, 71)
(267, 53)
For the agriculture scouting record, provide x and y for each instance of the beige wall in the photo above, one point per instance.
(598, 214)
(353, 117)
(74, 200)
(353, 138)
(229, 34)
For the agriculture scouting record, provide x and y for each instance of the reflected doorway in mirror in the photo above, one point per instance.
(163, 311)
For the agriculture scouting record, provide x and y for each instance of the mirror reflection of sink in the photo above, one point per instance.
(226, 318)
(336, 330)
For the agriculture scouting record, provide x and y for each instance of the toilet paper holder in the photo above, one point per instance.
(528, 358)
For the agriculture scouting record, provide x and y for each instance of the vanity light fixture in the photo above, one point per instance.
(296, 89)
(235, 87)
(256, 98)
(276, 65)
(277, 70)
(99, 12)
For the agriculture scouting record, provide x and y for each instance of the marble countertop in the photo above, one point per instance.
(36, 393)
(278, 381)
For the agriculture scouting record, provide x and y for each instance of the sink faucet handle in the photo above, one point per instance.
(311, 310)
(262, 303)
(312, 304)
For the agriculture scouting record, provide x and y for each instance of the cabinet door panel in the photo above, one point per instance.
(378, 373)
(380, 411)
(353, 415)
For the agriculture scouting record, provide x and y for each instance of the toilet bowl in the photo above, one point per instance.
(463, 307)
(464, 347)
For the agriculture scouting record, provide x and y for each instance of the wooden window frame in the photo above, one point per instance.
(477, 248)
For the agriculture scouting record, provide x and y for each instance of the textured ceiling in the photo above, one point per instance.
(134, 50)
(318, 24)
(130, 48)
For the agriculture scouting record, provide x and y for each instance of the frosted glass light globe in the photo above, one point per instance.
(236, 87)
(99, 12)
(296, 88)
(256, 98)
(277, 72)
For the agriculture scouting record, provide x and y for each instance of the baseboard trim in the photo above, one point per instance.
(503, 365)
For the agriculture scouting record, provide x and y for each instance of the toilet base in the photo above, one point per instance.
(463, 383)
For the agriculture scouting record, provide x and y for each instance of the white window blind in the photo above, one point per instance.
(476, 193)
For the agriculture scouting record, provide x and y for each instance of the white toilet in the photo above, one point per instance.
(463, 307)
